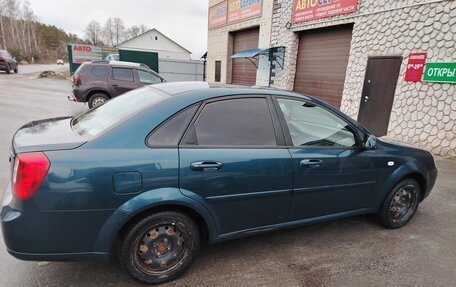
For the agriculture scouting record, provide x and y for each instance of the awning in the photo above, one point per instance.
(251, 53)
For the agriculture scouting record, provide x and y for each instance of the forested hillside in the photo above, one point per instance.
(26, 38)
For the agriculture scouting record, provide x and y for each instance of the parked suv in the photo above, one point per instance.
(97, 82)
(7, 62)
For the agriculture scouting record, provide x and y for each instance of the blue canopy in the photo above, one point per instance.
(251, 53)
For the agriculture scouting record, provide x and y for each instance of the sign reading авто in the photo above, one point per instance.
(243, 9)
(415, 67)
(308, 10)
(440, 72)
(87, 53)
(218, 14)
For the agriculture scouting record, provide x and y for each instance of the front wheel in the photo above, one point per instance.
(400, 204)
(160, 247)
(97, 100)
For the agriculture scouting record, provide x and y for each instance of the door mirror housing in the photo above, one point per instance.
(369, 142)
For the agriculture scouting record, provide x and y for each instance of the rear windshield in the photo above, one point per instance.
(114, 111)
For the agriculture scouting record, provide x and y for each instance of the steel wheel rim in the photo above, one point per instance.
(98, 101)
(160, 249)
(403, 203)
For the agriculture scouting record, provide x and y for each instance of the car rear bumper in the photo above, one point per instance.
(52, 236)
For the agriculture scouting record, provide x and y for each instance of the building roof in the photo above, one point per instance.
(147, 32)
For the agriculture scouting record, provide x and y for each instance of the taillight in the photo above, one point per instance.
(28, 174)
(2, 59)
(76, 79)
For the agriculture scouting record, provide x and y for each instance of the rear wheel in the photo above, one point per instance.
(8, 69)
(97, 100)
(400, 204)
(16, 70)
(160, 247)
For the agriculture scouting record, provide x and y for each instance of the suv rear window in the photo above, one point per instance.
(95, 121)
(99, 71)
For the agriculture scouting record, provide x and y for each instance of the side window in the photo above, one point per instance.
(236, 122)
(170, 132)
(122, 74)
(148, 78)
(99, 71)
(310, 125)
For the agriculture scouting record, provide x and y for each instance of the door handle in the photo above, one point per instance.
(205, 165)
(114, 85)
(312, 163)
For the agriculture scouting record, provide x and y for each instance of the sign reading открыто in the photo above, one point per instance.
(440, 72)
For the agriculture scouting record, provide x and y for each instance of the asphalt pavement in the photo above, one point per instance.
(349, 252)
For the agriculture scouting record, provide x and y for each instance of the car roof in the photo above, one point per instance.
(207, 91)
(119, 63)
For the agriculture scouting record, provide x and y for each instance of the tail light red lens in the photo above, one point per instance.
(76, 79)
(30, 169)
(2, 59)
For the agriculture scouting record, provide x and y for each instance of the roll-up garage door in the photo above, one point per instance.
(243, 70)
(322, 63)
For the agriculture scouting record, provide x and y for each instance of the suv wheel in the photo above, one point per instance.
(8, 69)
(400, 204)
(97, 100)
(160, 247)
(16, 70)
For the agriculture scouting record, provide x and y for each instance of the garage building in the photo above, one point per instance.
(389, 64)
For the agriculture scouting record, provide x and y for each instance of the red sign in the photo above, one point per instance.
(308, 10)
(415, 66)
(243, 9)
(217, 15)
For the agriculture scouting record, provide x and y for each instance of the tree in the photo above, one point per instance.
(108, 31)
(119, 30)
(92, 32)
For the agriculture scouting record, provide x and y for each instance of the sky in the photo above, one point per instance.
(184, 21)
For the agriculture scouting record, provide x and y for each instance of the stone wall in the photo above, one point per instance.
(423, 114)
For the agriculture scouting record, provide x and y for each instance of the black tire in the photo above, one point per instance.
(8, 70)
(400, 204)
(159, 247)
(16, 70)
(97, 100)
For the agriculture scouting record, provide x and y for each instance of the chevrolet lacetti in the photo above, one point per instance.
(151, 174)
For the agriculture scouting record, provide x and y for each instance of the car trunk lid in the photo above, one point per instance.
(46, 135)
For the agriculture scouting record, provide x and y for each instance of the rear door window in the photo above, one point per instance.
(122, 74)
(234, 122)
(99, 71)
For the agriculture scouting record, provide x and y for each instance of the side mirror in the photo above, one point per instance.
(369, 142)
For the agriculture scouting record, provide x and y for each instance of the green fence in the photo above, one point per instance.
(148, 58)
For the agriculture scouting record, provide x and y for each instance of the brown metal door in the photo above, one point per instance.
(243, 70)
(322, 63)
(218, 71)
(378, 93)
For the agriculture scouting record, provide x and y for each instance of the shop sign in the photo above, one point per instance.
(308, 10)
(243, 9)
(415, 67)
(440, 72)
(217, 15)
(87, 53)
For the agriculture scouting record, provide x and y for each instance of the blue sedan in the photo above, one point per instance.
(150, 175)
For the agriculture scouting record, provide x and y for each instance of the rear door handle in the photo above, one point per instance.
(312, 163)
(206, 165)
(114, 85)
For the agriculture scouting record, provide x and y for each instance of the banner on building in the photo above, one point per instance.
(243, 9)
(308, 10)
(87, 53)
(218, 15)
(415, 67)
